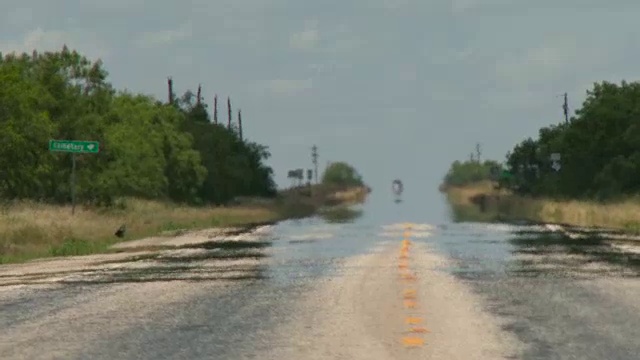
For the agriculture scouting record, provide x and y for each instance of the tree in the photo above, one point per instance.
(470, 171)
(148, 148)
(341, 174)
(599, 149)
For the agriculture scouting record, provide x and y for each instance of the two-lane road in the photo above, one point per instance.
(311, 290)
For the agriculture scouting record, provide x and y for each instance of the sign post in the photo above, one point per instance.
(74, 147)
(555, 161)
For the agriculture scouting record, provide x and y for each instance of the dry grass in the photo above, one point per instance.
(29, 230)
(463, 195)
(623, 215)
(33, 230)
(351, 196)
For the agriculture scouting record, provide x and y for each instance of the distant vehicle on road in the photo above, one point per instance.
(397, 188)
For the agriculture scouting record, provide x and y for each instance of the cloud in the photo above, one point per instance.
(53, 40)
(149, 39)
(306, 39)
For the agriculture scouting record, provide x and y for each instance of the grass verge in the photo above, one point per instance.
(480, 202)
(31, 230)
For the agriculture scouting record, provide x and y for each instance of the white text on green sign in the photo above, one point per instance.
(74, 146)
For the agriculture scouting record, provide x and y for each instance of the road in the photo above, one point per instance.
(372, 288)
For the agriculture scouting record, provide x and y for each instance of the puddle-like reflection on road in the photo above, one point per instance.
(559, 295)
(481, 250)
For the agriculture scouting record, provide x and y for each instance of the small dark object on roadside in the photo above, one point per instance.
(121, 230)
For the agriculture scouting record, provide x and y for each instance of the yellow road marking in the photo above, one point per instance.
(413, 320)
(409, 296)
(420, 330)
(409, 292)
(410, 304)
(408, 277)
(413, 341)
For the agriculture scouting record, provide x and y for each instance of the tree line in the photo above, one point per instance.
(463, 173)
(593, 155)
(148, 148)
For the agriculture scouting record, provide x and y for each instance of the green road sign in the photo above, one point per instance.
(74, 146)
(506, 174)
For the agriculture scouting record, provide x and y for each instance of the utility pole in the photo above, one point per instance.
(240, 123)
(229, 112)
(565, 109)
(199, 95)
(170, 86)
(314, 160)
(478, 152)
(215, 109)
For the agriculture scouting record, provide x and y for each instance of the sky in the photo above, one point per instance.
(398, 88)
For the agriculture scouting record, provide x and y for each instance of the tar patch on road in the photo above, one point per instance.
(228, 260)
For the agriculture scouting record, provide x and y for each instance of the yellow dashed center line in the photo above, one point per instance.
(412, 320)
(410, 294)
(410, 304)
(413, 341)
(419, 330)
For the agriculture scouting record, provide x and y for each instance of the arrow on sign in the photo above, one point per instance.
(91, 146)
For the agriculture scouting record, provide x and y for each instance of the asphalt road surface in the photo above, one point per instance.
(311, 289)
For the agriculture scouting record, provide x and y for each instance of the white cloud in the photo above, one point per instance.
(306, 39)
(53, 40)
(164, 37)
